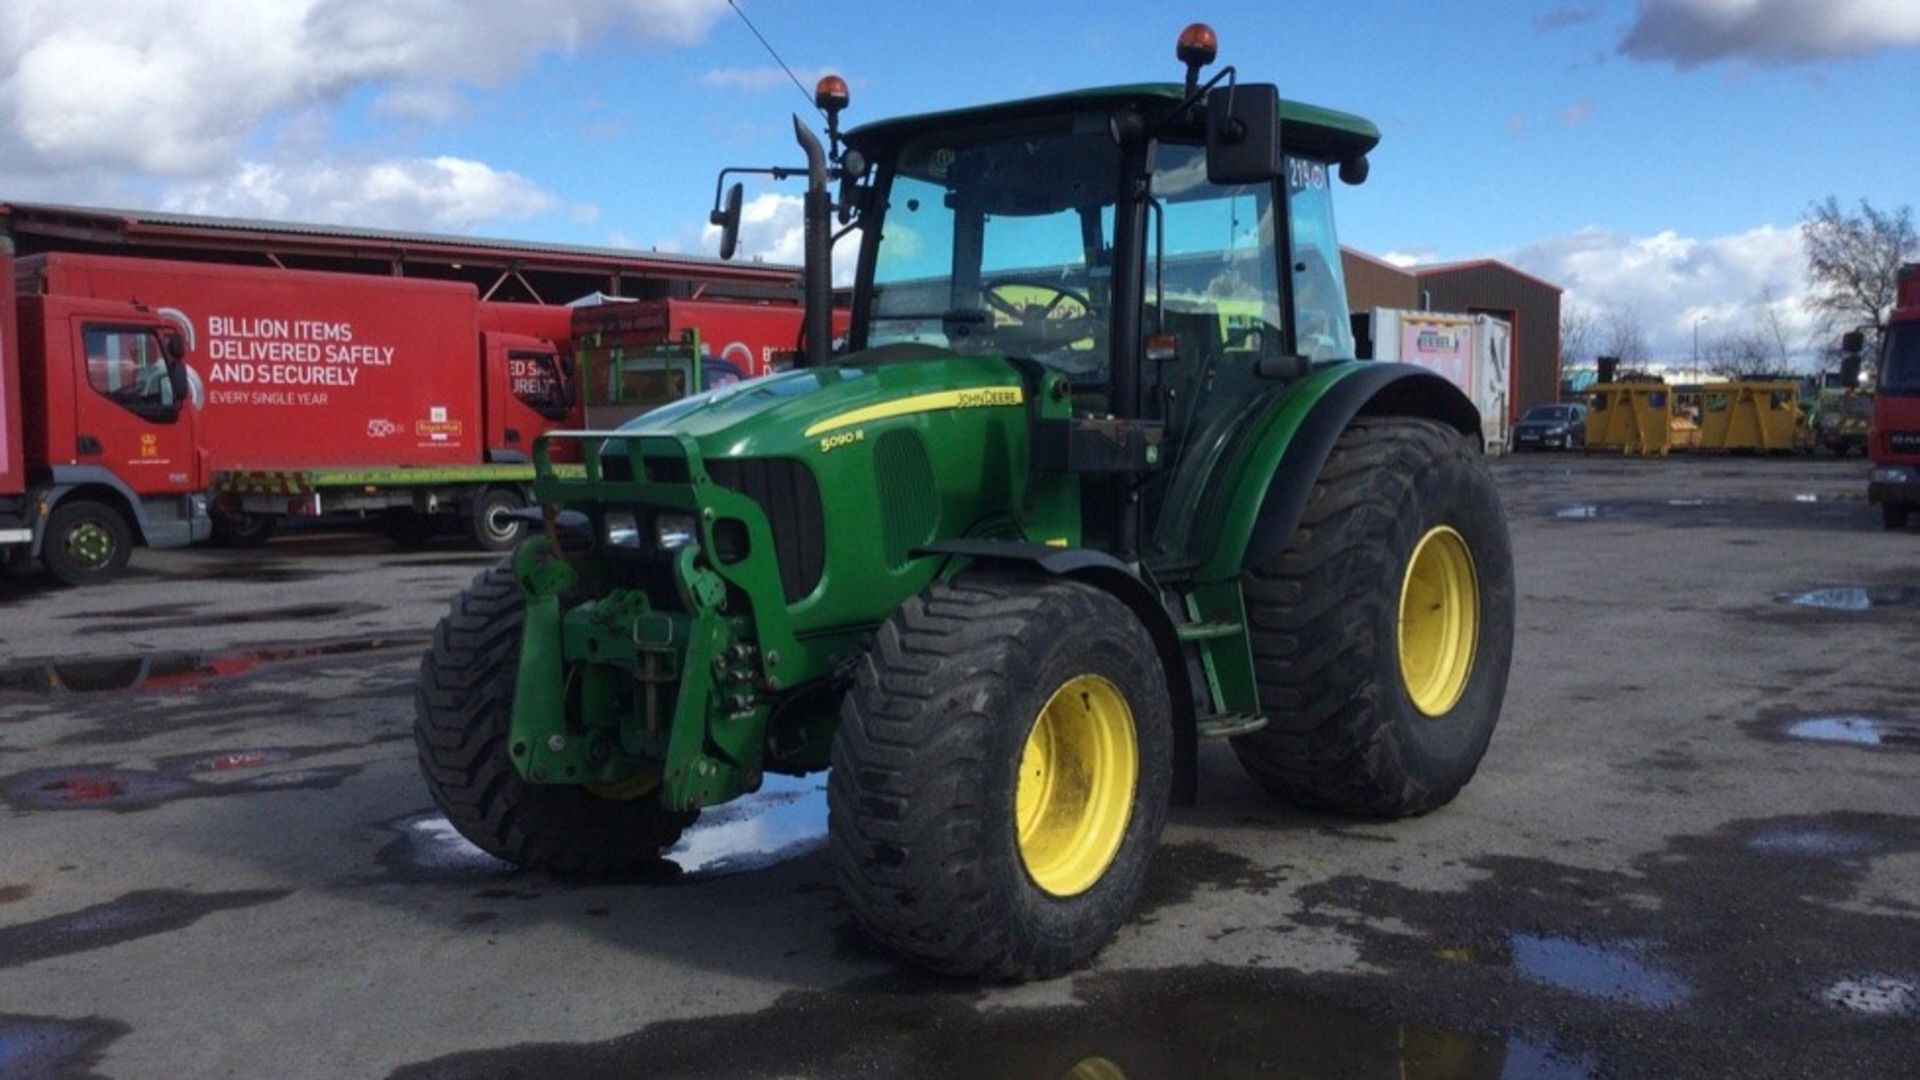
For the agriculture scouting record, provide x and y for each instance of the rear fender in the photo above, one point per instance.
(1268, 491)
(1110, 575)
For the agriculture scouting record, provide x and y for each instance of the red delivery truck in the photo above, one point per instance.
(153, 392)
(1894, 439)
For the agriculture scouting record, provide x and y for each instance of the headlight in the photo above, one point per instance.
(622, 531)
(1891, 474)
(674, 531)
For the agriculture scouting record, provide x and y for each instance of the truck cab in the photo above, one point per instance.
(1894, 443)
(108, 437)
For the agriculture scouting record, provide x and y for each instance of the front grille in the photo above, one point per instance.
(790, 497)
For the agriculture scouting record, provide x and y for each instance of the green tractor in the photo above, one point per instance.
(1093, 478)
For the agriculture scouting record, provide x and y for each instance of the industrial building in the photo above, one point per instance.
(502, 270)
(1480, 287)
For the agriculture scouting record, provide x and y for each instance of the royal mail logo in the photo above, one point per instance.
(149, 445)
(436, 426)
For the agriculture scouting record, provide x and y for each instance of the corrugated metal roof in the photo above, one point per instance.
(138, 219)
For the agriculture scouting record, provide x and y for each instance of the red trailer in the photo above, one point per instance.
(1894, 441)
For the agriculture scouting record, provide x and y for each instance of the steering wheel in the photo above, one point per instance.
(1039, 322)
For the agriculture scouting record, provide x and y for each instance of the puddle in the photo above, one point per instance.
(785, 819)
(175, 672)
(1849, 597)
(1874, 995)
(1133, 1025)
(135, 915)
(1803, 497)
(1812, 840)
(1857, 731)
(32, 1046)
(428, 847)
(1686, 502)
(82, 787)
(1579, 512)
(182, 620)
(1616, 971)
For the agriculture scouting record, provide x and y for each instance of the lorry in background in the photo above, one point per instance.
(1894, 482)
(161, 402)
(1473, 352)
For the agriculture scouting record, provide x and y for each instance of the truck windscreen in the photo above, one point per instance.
(1900, 363)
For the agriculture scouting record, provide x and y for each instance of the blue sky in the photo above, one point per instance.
(1653, 156)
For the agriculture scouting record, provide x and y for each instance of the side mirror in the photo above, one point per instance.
(174, 344)
(728, 218)
(177, 373)
(1243, 134)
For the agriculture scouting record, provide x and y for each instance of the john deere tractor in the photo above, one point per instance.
(1092, 479)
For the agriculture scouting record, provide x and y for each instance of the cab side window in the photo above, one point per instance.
(1319, 290)
(128, 366)
(536, 380)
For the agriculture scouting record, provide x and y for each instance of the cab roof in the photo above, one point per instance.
(1306, 129)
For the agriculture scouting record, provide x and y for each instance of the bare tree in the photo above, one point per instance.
(1853, 261)
(1759, 350)
(1578, 331)
(1622, 334)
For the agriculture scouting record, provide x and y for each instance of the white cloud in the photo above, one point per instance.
(443, 194)
(176, 91)
(1689, 33)
(425, 104)
(1668, 281)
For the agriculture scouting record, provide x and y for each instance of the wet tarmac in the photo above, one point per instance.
(174, 672)
(1693, 849)
(1207, 1021)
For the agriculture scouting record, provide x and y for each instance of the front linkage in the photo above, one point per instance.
(622, 693)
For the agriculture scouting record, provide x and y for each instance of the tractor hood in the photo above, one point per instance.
(786, 413)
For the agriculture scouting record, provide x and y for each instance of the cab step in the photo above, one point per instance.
(1206, 631)
(1227, 725)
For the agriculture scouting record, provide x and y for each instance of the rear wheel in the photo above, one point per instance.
(463, 710)
(85, 543)
(1000, 776)
(493, 529)
(1894, 516)
(243, 530)
(1383, 634)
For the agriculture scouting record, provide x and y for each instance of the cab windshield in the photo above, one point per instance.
(1000, 242)
(1900, 364)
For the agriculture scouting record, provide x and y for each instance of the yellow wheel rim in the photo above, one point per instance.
(1439, 621)
(1075, 794)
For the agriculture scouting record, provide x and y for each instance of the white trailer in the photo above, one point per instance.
(1474, 352)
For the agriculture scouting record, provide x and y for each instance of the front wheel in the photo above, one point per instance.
(463, 711)
(1001, 775)
(1382, 635)
(86, 543)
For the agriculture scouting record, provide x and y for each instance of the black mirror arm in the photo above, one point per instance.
(1196, 95)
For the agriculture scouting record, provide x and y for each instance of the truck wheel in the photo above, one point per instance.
(244, 530)
(1893, 516)
(410, 530)
(1383, 633)
(86, 543)
(493, 530)
(462, 711)
(1000, 776)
